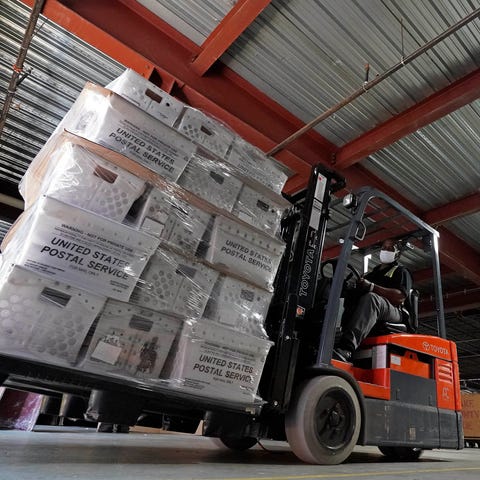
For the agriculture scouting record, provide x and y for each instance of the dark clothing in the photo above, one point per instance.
(391, 275)
(364, 310)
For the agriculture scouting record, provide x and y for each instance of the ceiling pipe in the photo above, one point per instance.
(18, 66)
(379, 78)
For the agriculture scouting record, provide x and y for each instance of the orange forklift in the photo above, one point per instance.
(401, 392)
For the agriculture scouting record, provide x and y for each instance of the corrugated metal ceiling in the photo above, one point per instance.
(467, 228)
(307, 55)
(437, 164)
(61, 64)
(4, 227)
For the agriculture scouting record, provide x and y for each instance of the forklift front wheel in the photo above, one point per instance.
(235, 443)
(401, 454)
(323, 423)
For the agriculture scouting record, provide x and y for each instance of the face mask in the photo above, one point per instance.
(386, 256)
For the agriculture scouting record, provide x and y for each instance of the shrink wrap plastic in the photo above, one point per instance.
(202, 129)
(81, 178)
(76, 172)
(179, 220)
(174, 220)
(43, 319)
(106, 118)
(214, 361)
(171, 242)
(207, 179)
(244, 252)
(174, 284)
(77, 247)
(205, 131)
(147, 96)
(131, 341)
(238, 305)
(253, 163)
(223, 186)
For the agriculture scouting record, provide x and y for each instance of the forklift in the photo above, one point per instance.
(401, 392)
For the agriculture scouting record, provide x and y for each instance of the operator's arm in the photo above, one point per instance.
(395, 296)
(397, 281)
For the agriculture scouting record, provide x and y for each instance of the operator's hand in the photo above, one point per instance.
(365, 285)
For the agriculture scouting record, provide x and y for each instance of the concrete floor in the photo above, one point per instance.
(69, 453)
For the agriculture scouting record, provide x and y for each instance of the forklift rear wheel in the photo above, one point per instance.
(402, 454)
(323, 423)
(235, 443)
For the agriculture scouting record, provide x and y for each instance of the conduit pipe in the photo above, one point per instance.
(379, 78)
(18, 67)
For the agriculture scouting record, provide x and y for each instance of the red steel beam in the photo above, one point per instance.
(426, 274)
(459, 256)
(76, 24)
(240, 16)
(458, 94)
(452, 302)
(459, 208)
(110, 25)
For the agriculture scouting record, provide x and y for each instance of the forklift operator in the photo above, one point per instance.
(378, 298)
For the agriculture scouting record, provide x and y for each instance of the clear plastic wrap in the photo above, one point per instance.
(131, 341)
(220, 185)
(147, 96)
(42, 318)
(238, 305)
(253, 163)
(174, 220)
(209, 180)
(205, 131)
(214, 361)
(245, 252)
(80, 248)
(195, 257)
(85, 180)
(259, 210)
(175, 284)
(106, 118)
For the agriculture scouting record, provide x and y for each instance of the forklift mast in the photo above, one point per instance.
(303, 229)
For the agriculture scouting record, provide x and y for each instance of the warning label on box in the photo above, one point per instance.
(85, 250)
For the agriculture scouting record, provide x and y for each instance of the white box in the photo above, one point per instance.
(175, 221)
(43, 318)
(245, 252)
(259, 210)
(80, 248)
(106, 118)
(147, 96)
(238, 305)
(209, 181)
(217, 362)
(174, 284)
(253, 163)
(206, 131)
(131, 341)
(85, 180)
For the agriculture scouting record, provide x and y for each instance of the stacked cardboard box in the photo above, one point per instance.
(155, 245)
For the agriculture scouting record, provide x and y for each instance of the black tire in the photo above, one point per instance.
(402, 454)
(323, 422)
(239, 444)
